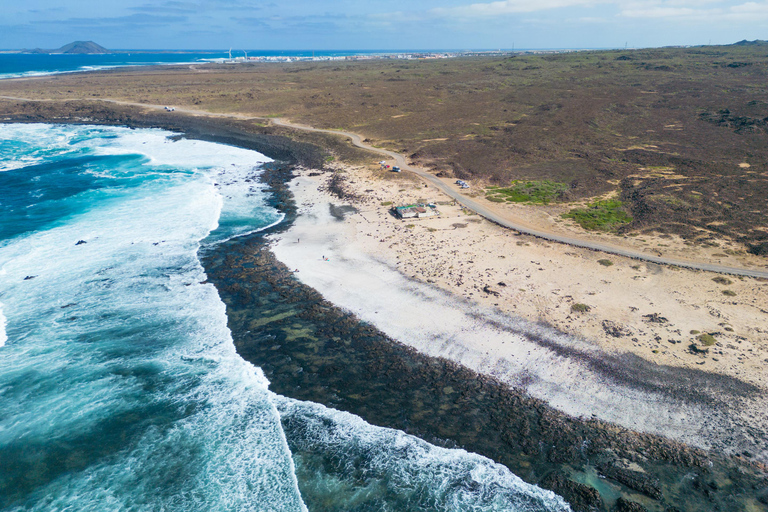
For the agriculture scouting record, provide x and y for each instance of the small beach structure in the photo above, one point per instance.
(415, 211)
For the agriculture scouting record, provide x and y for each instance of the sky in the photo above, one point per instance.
(384, 25)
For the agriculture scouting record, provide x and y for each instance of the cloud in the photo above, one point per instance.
(132, 20)
(249, 21)
(492, 9)
(167, 7)
(682, 10)
(660, 12)
(676, 10)
(750, 9)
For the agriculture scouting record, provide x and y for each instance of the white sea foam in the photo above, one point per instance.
(84, 69)
(371, 462)
(121, 330)
(3, 322)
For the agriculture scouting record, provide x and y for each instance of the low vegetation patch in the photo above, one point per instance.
(729, 293)
(580, 308)
(706, 339)
(606, 215)
(536, 192)
(722, 280)
(605, 263)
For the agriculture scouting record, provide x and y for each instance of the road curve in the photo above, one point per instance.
(521, 226)
(515, 224)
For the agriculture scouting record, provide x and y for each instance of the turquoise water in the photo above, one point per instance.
(14, 65)
(120, 388)
(25, 64)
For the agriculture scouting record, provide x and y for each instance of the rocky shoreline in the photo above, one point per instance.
(311, 350)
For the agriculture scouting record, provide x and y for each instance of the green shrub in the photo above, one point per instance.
(386, 203)
(722, 280)
(537, 192)
(605, 263)
(729, 293)
(580, 308)
(706, 339)
(605, 215)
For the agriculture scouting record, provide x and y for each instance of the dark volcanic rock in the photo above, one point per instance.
(655, 318)
(614, 329)
(582, 498)
(623, 505)
(636, 480)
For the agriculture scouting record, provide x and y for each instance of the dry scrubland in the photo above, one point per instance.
(677, 135)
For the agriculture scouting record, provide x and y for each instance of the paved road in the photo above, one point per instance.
(451, 191)
(521, 226)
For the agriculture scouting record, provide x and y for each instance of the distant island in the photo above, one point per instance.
(79, 47)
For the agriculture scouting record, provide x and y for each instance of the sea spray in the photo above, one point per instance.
(119, 384)
(344, 463)
(3, 322)
(121, 388)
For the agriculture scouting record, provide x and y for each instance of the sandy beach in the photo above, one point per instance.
(592, 334)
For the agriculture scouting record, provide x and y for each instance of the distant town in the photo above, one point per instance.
(382, 56)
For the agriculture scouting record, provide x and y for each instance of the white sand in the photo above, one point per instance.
(422, 285)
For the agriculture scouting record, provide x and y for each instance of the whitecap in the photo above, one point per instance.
(3, 323)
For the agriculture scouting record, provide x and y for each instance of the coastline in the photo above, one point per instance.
(444, 291)
(317, 272)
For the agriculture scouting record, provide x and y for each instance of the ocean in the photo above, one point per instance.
(120, 385)
(15, 65)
